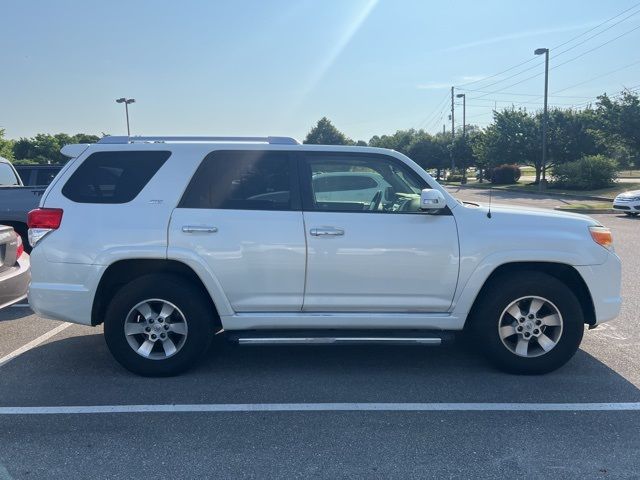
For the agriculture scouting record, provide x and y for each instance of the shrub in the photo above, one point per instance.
(504, 174)
(588, 173)
(454, 178)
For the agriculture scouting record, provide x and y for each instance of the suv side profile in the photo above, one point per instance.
(170, 240)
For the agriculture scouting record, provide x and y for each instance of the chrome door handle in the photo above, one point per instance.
(326, 232)
(198, 229)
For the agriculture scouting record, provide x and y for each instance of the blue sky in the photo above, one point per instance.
(275, 67)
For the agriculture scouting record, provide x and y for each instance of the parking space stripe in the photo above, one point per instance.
(324, 407)
(33, 343)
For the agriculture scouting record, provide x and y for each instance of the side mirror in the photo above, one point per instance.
(432, 200)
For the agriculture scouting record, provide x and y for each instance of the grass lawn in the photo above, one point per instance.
(610, 192)
(586, 206)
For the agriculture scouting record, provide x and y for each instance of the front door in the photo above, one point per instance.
(379, 253)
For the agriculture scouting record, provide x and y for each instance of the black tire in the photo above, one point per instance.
(189, 300)
(483, 328)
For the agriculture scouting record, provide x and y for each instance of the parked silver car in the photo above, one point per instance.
(15, 272)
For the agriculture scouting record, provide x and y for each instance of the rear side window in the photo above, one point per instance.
(244, 180)
(342, 184)
(7, 177)
(113, 177)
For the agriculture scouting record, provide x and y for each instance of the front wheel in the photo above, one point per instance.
(158, 325)
(529, 324)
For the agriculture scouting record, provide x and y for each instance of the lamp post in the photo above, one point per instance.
(126, 102)
(545, 51)
(464, 131)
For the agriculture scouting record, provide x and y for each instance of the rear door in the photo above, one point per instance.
(241, 215)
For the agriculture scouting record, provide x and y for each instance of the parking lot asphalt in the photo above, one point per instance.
(74, 368)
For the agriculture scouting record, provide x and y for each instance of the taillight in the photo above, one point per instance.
(19, 248)
(42, 221)
(45, 218)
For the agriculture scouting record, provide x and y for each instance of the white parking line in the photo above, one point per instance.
(33, 343)
(325, 407)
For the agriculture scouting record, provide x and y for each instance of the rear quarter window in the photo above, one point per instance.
(7, 176)
(113, 177)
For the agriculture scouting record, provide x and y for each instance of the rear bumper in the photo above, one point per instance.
(604, 283)
(14, 283)
(63, 291)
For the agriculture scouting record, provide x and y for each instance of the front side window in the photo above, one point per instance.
(360, 182)
(113, 177)
(243, 180)
(7, 175)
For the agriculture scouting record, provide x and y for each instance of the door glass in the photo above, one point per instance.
(242, 180)
(363, 183)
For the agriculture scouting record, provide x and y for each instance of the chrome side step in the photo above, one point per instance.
(336, 337)
(338, 341)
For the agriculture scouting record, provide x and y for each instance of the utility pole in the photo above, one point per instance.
(453, 129)
(464, 129)
(444, 131)
(545, 119)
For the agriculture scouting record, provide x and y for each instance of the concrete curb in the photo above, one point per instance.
(587, 211)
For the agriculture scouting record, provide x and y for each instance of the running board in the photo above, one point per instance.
(335, 337)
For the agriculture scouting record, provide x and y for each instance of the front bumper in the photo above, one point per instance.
(604, 283)
(631, 207)
(14, 282)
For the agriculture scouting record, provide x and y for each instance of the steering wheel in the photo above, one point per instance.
(375, 201)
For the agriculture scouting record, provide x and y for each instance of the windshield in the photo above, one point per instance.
(7, 175)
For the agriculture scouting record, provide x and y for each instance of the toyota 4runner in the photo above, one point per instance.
(168, 241)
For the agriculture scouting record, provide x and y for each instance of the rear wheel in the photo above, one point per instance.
(158, 325)
(529, 324)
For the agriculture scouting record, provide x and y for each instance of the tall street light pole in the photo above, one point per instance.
(126, 102)
(545, 116)
(464, 130)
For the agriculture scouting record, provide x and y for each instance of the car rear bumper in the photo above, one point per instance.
(604, 282)
(14, 282)
(63, 291)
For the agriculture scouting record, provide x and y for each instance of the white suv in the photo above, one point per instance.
(170, 240)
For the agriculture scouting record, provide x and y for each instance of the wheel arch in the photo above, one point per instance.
(122, 272)
(562, 271)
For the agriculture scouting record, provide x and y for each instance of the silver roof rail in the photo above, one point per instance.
(270, 140)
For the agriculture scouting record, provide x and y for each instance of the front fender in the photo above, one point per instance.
(469, 287)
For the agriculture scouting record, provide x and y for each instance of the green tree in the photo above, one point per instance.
(325, 133)
(400, 141)
(430, 152)
(514, 137)
(619, 126)
(570, 136)
(6, 146)
(45, 148)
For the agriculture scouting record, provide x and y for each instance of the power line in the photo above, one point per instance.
(523, 94)
(563, 63)
(556, 55)
(436, 113)
(595, 78)
(556, 47)
(598, 26)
